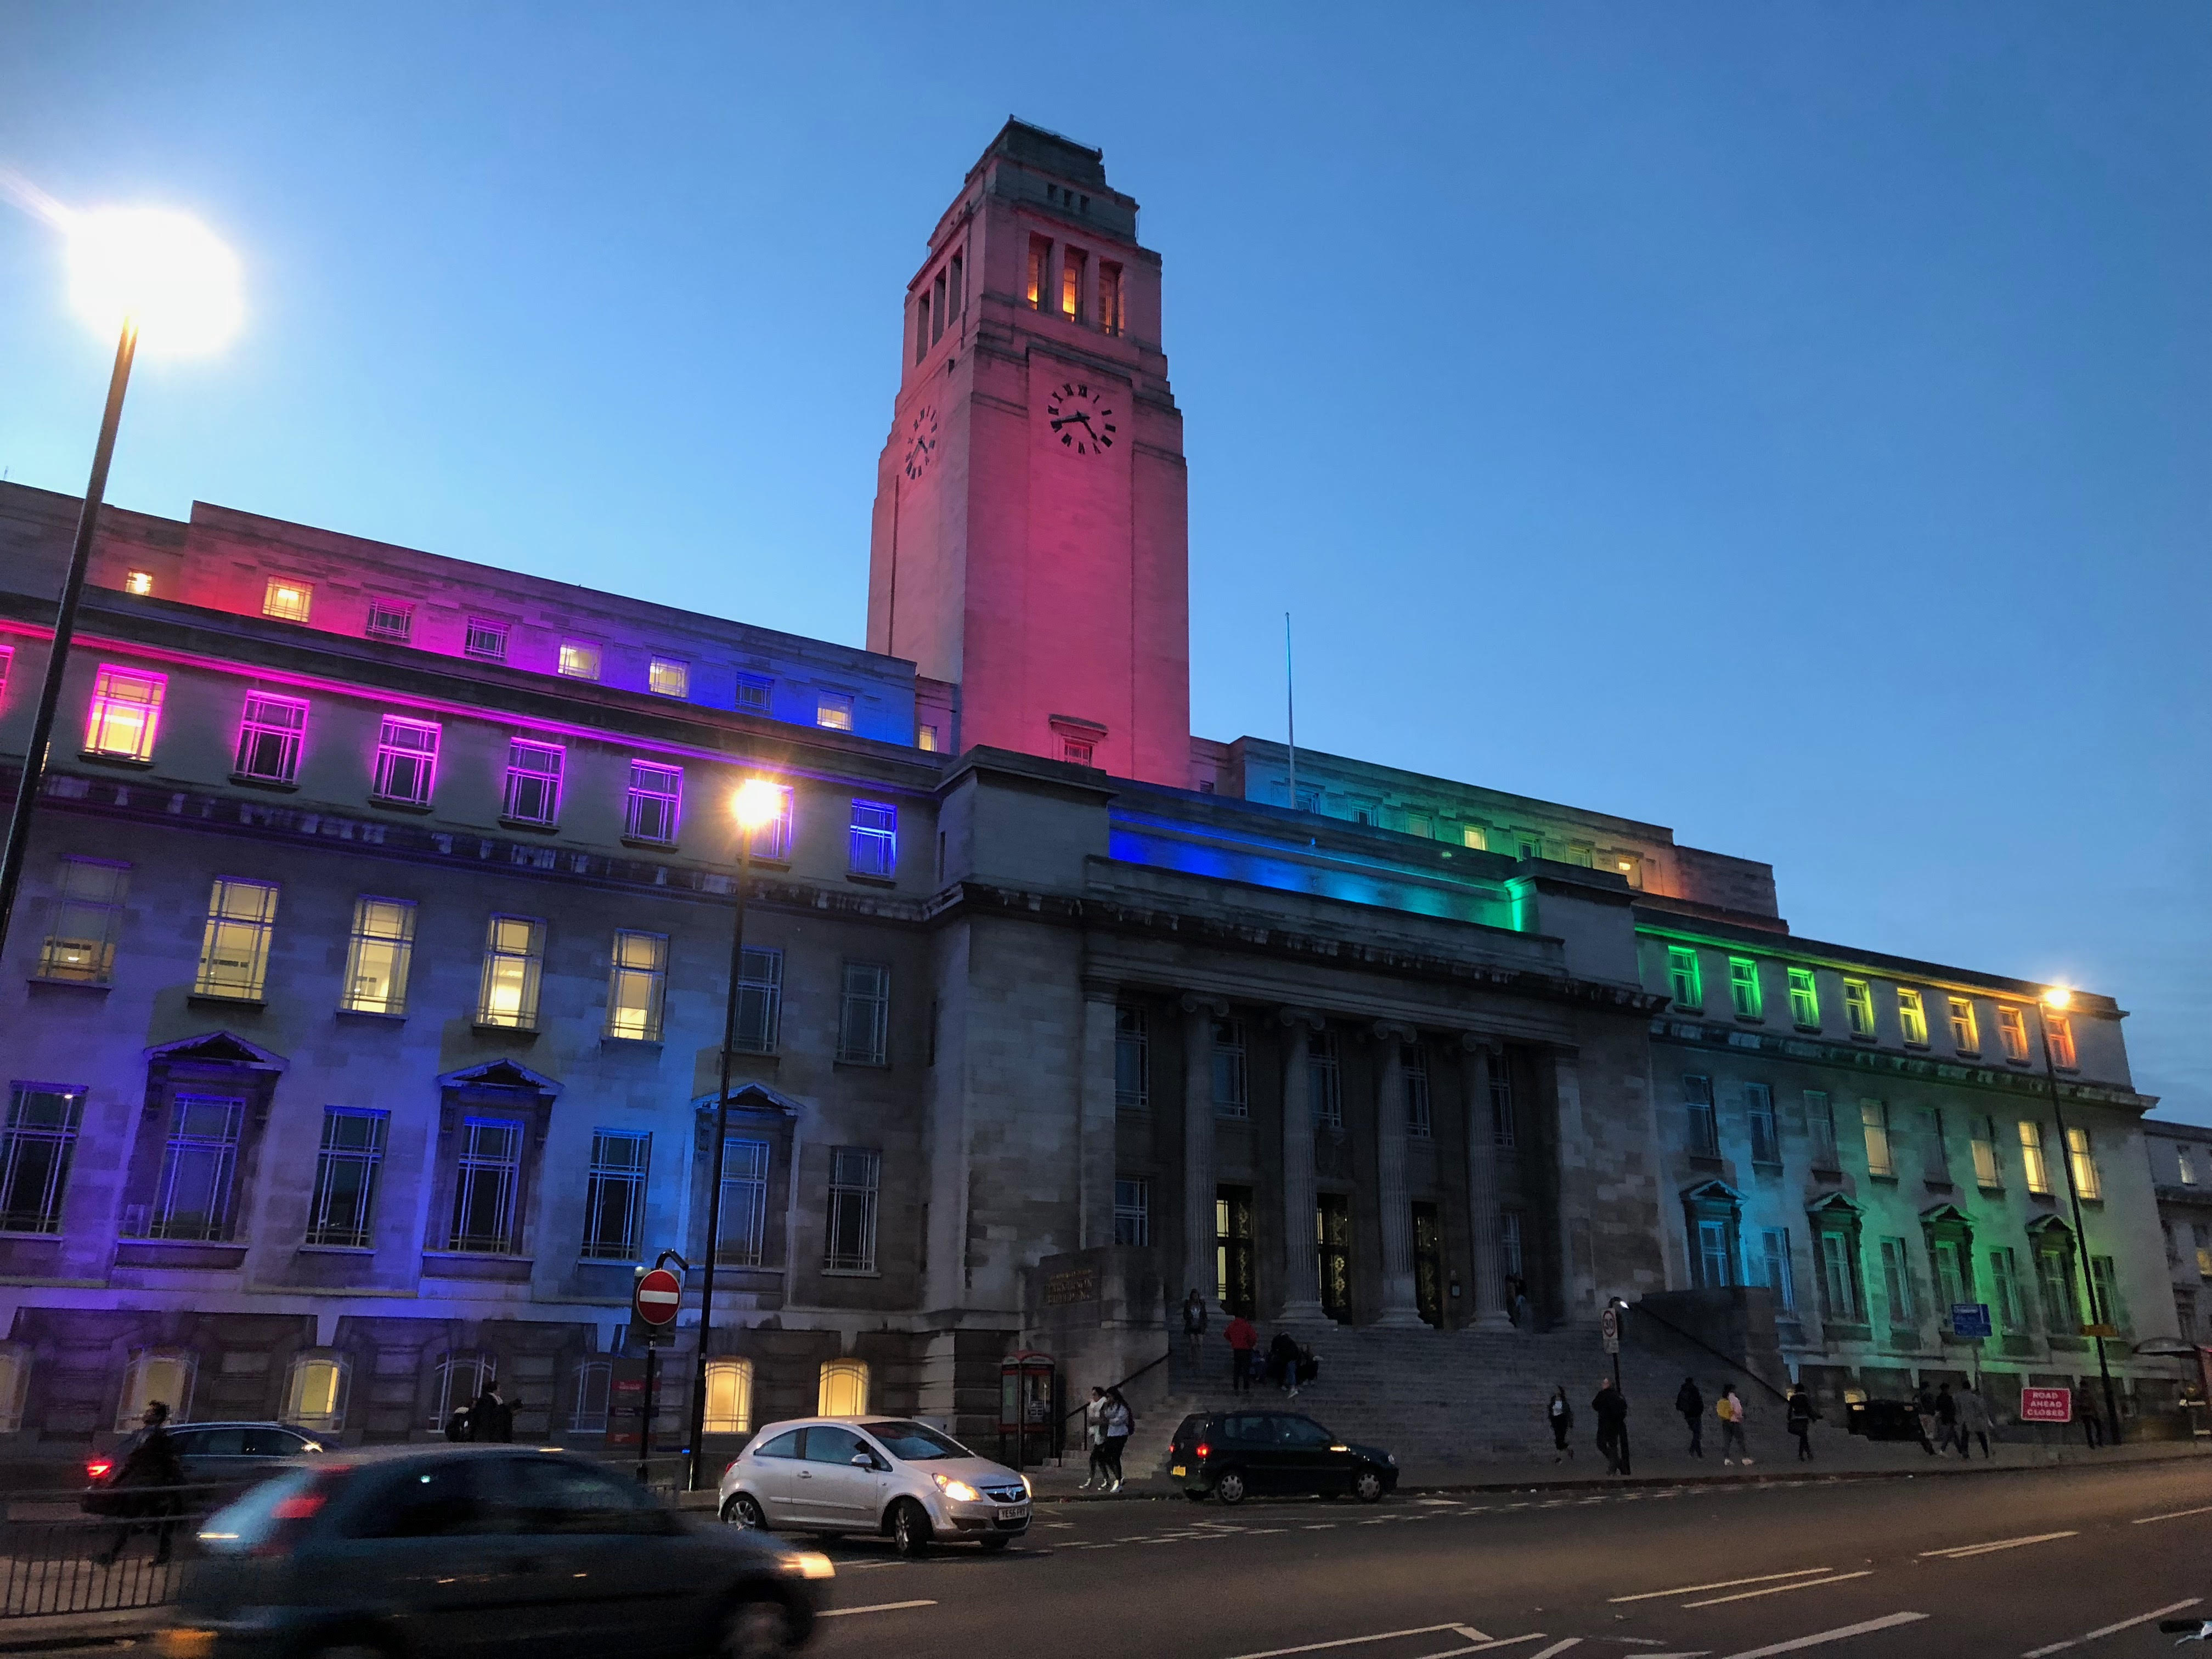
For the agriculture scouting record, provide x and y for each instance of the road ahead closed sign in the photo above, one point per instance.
(2046, 1405)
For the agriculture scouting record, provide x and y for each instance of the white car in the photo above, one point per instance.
(881, 1474)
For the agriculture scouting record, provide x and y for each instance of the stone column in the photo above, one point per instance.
(1482, 1213)
(1199, 1014)
(1095, 1120)
(1301, 1256)
(1401, 1302)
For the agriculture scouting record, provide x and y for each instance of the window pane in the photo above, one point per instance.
(198, 1162)
(345, 1178)
(41, 1137)
(377, 957)
(513, 952)
(745, 1203)
(234, 943)
(636, 984)
(88, 915)
(125, 713)
(614, 1197)
(488, 1171)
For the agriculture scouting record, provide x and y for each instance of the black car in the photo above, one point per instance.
(220, 1459)
(1233, 1455)
(483, 1552)
(1884, 1420)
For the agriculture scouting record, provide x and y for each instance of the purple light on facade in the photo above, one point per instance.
(406, 761)
(125, 713)
(534, 772)
(655, 808)
(270, 730)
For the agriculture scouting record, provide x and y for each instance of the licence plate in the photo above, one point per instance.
(1178, 1471)
(186, 1643)
(1016, 1513)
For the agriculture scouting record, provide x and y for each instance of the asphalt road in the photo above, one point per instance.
(2021, 1564)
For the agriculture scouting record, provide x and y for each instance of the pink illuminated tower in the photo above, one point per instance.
(1030, 539)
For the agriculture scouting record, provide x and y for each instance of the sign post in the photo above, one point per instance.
(1608, 1327)
(653, 1304)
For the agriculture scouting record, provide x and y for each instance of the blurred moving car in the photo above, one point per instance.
(478, 1552)
(220, 1459)
(1233, 1455)
(1883, 1420)
(891, 1475)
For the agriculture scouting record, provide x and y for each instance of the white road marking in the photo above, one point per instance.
(2171, 1514)
(1959, 1553)
(1319, 1526)
(1777, 1590)
(1437, 1503)
(880, 1606)
(2125, 1624)
(1484, 1647)
(1841, 1633)
(1263, 1532)
(1466, 1630)
(1723, 1583)
(1557, 1648)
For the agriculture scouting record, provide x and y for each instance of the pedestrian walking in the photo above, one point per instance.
(1798, 1417)
(457, 1424)
(151, 1473)
(2092, 1426)
(1242, 1340)
(1517, 1302)
(1974, 1420)
(491, 1418)
(1118, 1423)
(1611, 1410)
(1947, 1421)
(1193, 1327)
(1692, 1405)
(1094, 1438)
(1283, 1356)
(1563, 1419)
(1729, 1410)
(1923, 1409)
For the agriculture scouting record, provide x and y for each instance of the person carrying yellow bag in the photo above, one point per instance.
(1729, 1409)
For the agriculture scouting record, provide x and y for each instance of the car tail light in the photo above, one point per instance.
(727, 1466)
(97, 1468)
(304, 1507)
(1204, 1450)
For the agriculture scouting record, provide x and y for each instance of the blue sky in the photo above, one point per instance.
(1785, 422)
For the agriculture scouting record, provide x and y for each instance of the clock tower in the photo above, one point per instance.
(1030, 539)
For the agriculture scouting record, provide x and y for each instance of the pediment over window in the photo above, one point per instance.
(2050, 1227)
(1941, 1214)
(1711, 1192)
(218, 1049)
(752, 1097)
(500, 1074)
(1835, 1205)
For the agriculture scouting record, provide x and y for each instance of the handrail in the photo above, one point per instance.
(1638, 1309)
(1079, 1405)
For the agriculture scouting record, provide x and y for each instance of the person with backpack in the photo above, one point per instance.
(1117, 1423)
(1731, 1413)
(1798, 1416)
(1562, 1417)
(1692, 1405)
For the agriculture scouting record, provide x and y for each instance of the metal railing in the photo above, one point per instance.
(56, 1559)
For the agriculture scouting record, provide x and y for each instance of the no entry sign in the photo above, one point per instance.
(658, 1295)
(2046, 1405)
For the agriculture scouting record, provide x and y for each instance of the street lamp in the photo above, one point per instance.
(757, 804)
(2057, 1000)
(134, 270)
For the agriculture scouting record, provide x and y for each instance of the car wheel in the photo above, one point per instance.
(994, 1543)
(1229, 1488)
(1367, 1486)
(909, 1528)
(743, 1510)
(754, 1630)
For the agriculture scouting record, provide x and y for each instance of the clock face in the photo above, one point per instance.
(921, 442)
(1080, 419)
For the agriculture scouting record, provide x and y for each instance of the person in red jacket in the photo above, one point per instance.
(1242, 1340)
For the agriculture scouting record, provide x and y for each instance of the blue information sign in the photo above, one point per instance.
(1969, 1319)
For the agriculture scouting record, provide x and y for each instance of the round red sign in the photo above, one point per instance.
(657, 1296)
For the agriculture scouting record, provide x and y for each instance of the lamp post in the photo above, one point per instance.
(2058, 999)
(758, 802)
(133, 271)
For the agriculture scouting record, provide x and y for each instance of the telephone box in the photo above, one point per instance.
(1030, 1428)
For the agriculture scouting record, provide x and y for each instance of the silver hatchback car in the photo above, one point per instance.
(873, 1475)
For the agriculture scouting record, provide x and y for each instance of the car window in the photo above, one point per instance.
(441, 1500)
(916, 1442)
(559, 1495)
(1250, 1429)
(1304, 1431)
(212, 1443)
(784, 1445)
(825, 1445)
(272, 1443)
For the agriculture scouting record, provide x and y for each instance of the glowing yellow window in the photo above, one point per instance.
(730, 1397)
(140, 583)
(1475, 835)
(1912, 1015)
(579, 661)
(287, 599)
(671, 678)
(844, 1391)
(1965, 1029)
(126, 711)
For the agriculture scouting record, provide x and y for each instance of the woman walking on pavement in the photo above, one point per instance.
(1692, 1405)
(1118, 1422)
(1562, 1420)
(1799, 1415)
(1094, 1437)
(1731, 1412)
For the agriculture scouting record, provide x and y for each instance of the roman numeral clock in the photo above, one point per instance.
(1080, 418)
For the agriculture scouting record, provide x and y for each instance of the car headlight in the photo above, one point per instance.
(1391, 1458)
(958, 1490)
(809, 1564)
(1028, 1491)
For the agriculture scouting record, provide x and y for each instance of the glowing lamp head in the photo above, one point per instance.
(758, 802)
(2058, 998)
(165, 272)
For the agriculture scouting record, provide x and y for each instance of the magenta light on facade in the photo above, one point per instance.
(269, 731)
(406, 761)
(533, 782)
(125, 713)
(655, 808)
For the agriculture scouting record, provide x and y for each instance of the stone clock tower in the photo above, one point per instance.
(1030, 539)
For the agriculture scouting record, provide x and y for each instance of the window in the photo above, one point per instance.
(654, 809)
(346, 1167)
(1131, 1070)
(729, 1397)
(1112, 306)
(1820, 1129)
(485, 640)
(614, 1194)
(1581, 855)
(1132, 1210)
(1475, 835)
(1509, 1242)
(2004, 1287)
(834, 710)
(772, 840)
(6, 657)
(670, 677)
(1504, 1126)
(921, 326)
(1364, 815)
(235, 943)
(2054, 1282)
(1838, 1280)
(1984, 1139)
(844, 1390)
(760, 1001)
(514, 952)
(937, 309)
(126, 711)
(1874, 1121)
(1966, 1030)
(1419, 1119)
(533, 783)
(1333, 1252)
(287, 599)
(1896, 1283)
(155, 1374)
(1804, 1000)
(1033, 285)
(269, 732)
(1697, 1106)
(1683, 980)
(1077, 751)
(745, 1203)
(198, 1165)
(753, 696)
(2081, 1159)
(580, 659)
(636, 982)
(1712, 1245)
(1230, 1098)
(489, 1177)
(1951, 1286)
(140, 583)
(1774, 1249)
(853, 1171)
(1324, 1080)
(593, 1383)
(1234, 1253)
(2185, 1164)
(1532, 847)
(874, 842)
(1912, 1016)
(1759, 1109)
(1858, 1007)
(314, 1394)
(388, 619)
(2203, 1236)
(406, 762)
(1937, 1165)
(456, 1380)
(2012, 1032)
(87, 915)
(864, 1014)
(2032, 1162)
(952, 289)
(1071, 284)
(925, 738)
(34, 1156)
(2059, 1030)
(377, 957)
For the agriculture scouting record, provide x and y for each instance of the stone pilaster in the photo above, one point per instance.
(1301, 1254)
(1483, 1221)
(1095, 1120)
(1199, 1014)
(1400, 1301)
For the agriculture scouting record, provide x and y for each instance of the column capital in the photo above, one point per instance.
(1476, 1042)
(1291, 1018)
(1194, 1002)
(1393, 1031)
(1100, 990)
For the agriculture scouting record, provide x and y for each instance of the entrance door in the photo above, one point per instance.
(1429, 1263)
(1235, 1284)
(1333, 1238)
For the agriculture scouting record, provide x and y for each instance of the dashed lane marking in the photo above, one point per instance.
(1720, 1584)
(1821, 1638)
(1960, 1551)
(1467, 1631)
(2171, 1514)
(2107, 1630)
(1778, 1589)
(880, 1606)
(1557, 1648)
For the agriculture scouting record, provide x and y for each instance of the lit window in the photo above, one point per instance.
(1912, 1016)
(40, 1140)
(1630, 868)
(2059, 1029)
(126, 710)
(269, 733)
(1874, 1118)
(925, 738)
(533, 783)
(1071, 284)
(87, 916)
(1132, 1060)
(1804, 1000)
(745, 1203)
(580, 659)
(199, 1167)
(729, 1397)
(854, 1172)
(670, 678)
(1033, 285)
(2032, 1162)
(1076, 752)
(390, 620)
(377, 957)
(1420, 1118)
(1683, 980)
(346, 1168)
(614, 1194)
(1132, 1210)
(2081, 1160)
(1324, 1080)
(755, 694)
(655, 807)
(1230, 1097)
(155, 1376)
(486, 641)
(874, 839)
(2012, 1032)
(1858, 1007)
(760, 1001)
(636, 984)
(1697, 1106)
(314, 1397)
(515, 954)
(140, 583)
(7, 659)
(488, 1174)
(234, 943)
(1744, 995)
(864, 1014)
(287, 599)
(833, 709)
(406, 762)
(773, 839)
(1966, 1030)
(844, 1390)
(1475, 835)
(1984, 1140)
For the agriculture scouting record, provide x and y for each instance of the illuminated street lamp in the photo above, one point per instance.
(135, 271)
(757, 804)
(2057, 1000)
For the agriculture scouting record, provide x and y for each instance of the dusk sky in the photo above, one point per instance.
(1787, 424)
